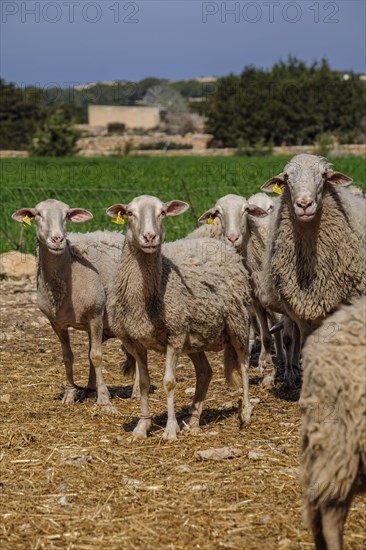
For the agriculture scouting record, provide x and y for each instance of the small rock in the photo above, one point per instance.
(218, 453)
(104, 440)
(119, 438)
(17, 265)
(183, 469)
(131, 481)
(199, 487)
(252, 455)
(265, 520)
(78, 460)
(190, 391)
(212, 432)
(62, 500)
(5, 398)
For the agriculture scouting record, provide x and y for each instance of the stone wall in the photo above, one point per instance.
(113, 145)
(106, 146)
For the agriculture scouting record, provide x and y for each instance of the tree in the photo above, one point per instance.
(56, 138)
(166, 99)
(291, 103)
(20, 115)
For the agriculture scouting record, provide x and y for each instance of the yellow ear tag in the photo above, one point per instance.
(119, 220)
(210, 220)
(27, 221)
(277, 189)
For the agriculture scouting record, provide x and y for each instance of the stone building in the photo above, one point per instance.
(144, 118)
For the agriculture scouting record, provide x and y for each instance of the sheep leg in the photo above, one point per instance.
(203, 379)
(172, 427)
(92, 380)
(140, 355)
(289, 343)
(315, 522)
(265, 357)
(245, 407)
(299, 341)
(68, 359)
(281, 359)
(136, 392)
(95, 362)
(128, 367)
(333, 520)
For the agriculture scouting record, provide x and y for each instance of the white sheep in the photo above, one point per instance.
(333, 414)
(243, 224)
(189, 296)
(315, 258)
(72, 274)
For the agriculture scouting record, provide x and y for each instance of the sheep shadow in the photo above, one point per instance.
(209, 416)
(121, 392)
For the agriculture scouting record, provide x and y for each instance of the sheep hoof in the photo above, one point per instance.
(69, 396)
(192, 429)
(265, 362)
(244, 413)
(103, 397)
(171, 431)
(140, 432)
(110, 409)
(268, 381)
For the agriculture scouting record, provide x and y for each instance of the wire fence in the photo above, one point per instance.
(13, 236)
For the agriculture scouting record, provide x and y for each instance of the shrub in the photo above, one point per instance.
(163, 145)
(56, 138)
(324, 143)
(116, 128)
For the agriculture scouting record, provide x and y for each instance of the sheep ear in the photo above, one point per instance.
(276, 180)
(256, 211)
(174, 208)
(113, 211)
(19, 215)
(211, 213)
(337, 178)
(78, 215)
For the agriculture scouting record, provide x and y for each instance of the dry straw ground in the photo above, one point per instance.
(71, 478)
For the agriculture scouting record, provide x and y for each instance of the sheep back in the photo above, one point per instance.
(203, 283)
(333, 407)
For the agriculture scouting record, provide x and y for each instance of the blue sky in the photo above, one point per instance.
(81, 41)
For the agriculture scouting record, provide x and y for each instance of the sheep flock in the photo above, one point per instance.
(273, 270)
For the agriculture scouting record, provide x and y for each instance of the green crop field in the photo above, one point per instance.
(97, 183)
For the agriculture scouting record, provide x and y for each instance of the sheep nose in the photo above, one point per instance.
(304, 203)
(233, 238)
(57, 239)
(149, 237)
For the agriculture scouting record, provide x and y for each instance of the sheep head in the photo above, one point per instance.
(304, 177)
(232, 212)
(145, 216)
(50, 217)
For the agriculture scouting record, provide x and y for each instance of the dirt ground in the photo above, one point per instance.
(71, 478)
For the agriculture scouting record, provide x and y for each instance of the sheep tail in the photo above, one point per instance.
(231, 367)
(128, 366)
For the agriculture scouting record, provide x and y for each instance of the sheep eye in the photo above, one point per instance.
(129, 214)
(163, 213)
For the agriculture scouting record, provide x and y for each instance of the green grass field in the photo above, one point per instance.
(97, 183)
